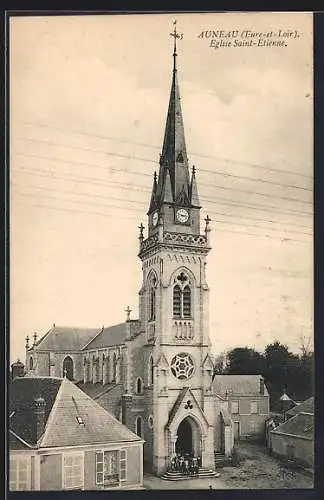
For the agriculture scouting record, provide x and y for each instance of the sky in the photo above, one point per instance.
(88, 104)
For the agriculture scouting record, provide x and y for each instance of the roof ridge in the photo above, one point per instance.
(96, 335)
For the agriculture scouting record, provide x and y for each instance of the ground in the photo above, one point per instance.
(255, 470)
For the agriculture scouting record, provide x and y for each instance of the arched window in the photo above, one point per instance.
(114, 375)
(151, 371)
(182, 297)
(139, 386)
(186, 302)
(152, 304)
(152, 282)
(68, 368)
(177, 301)
(31, 363)
(138, 426)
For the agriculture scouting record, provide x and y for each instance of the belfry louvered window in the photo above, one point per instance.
(177, 301)
(186, 302)
(181, 302)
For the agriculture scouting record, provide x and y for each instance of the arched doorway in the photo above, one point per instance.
(68, 368)
(188, 440)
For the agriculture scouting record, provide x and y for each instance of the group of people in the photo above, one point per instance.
(185, 464)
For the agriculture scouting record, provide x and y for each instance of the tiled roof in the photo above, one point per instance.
(22, 393)
(113, 335)
(306, 406)
(248, 385)
(301, 425)
(15, 443)
(66, 338)
(64, 403)
(99, 426)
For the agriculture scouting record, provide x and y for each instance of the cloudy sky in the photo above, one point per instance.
(88, 102)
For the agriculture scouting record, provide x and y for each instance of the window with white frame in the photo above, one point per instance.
(123, 465)
(235, 407)
(254, 407)
(73, 471)
(107, 470)
(19, 473)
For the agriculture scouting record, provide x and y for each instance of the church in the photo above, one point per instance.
(155, 373)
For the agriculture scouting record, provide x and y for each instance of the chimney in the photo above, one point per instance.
(39, 417)
(262, 386)
(17, 369)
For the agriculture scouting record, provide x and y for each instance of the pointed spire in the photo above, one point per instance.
(167, 195)
(194, 198)
(153, 195)
(174, 153)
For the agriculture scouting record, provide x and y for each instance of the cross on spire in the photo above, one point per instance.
(128, 311)
(175, 35)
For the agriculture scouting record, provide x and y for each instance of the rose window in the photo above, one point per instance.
(182, 366)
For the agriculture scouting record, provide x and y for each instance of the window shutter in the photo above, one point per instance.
(123, 465)
(99, 467)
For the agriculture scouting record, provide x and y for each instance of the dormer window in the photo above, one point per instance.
(80, 420)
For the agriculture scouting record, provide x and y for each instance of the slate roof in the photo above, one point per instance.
(113, 335)
(22, 392)
(66, 338)
(301, 425)
(244, 385)
(306, 406)
(64, 403)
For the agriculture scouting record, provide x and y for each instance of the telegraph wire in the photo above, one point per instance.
(77, 132)
(102, 182)
(122, 155)
(106, 205)
(68, 191)
(210, 185)
(278, 238)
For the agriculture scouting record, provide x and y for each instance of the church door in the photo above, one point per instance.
(184, 441)
(68, 368)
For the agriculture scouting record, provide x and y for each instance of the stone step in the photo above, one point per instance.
(178, 476)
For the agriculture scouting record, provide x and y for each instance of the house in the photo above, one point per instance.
(306, 406)
(61, 439)
(248, 403)
(286, 403)
(294, 439)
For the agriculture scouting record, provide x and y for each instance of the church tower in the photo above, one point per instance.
(174, 301)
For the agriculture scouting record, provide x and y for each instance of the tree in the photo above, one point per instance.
(245, 361)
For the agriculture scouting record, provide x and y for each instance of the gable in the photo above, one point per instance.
(185, 396)
(97, 427)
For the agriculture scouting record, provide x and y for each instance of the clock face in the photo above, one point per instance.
(155, 218)
(182, 215)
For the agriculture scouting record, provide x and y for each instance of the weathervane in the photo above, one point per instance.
(175, 35)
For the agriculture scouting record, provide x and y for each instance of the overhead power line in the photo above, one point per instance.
(283, 239)
(133, 209)
(199, 155)
(209, 185)
(102, 182)
(144, 204)
(221, 173)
